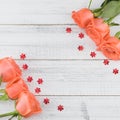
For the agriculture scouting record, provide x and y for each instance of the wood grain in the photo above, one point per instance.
(73, 77)
(85, 86)
(79, 108)
(40, 11)
(46, 42)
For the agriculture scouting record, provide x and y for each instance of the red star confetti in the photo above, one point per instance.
(25, 66)
(68, 30)
(46, 101)
(60, 107)
(80, 47)
(22, 56)
(29, 79)
(115, 71)
(81, 35)
(40, 80)
(37, 90)
(106, 62)
(92, 54)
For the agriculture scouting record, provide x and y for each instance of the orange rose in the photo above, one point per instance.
(27, 104)
(97, 30)
(82, 17)
(15, 87)
(8, 69)
(111, 48)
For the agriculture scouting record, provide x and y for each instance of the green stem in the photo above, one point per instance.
(19, 117)
(89, 4)
(15, 113)
(114, 24)
(104, 3)
(97, 10)
(12, 117)
(109, 21)
(2, 90)
(0, 80)
(15, 103)
(97, 14)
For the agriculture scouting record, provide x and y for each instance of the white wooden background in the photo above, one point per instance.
(85, 86)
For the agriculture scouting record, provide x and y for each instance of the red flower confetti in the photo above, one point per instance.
(68, 30)
(46, 101)
(80, 47)
(92, 54)
(25, 66)
(40, 80)
(37, 90)
(106, 62)
(60, 107)
(29, 79)
(115, 71)
(22, 56)
(81, 35)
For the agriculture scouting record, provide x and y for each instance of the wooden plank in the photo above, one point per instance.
(73, 77)
(79, 108)
(40, 11)
(45, 42)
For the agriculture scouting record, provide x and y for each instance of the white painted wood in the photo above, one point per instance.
(78, 108)
(40, 11)
(85, 86)
(83, 77)
(45, 42)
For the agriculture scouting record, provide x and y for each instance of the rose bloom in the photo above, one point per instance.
(9, 69)
(111, 48)
(27, 104)
(15, 87)
(98, 30)
(82, 17)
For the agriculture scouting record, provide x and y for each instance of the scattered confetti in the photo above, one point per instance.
(40, 80)
(68, 30)
(29, 79)
(60, 107)
(37, 90)
(106, 62)
(46, 101)
(81, 35)
(92, 54)
(22, 56)
(115, 71)
(25, 66)
(80, 47)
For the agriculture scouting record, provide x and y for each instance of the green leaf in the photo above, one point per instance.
(106, 2)
(114, 24)
(117, 35)
(4, 97)
(112, 9)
